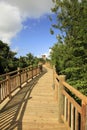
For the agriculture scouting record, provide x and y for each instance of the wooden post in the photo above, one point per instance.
(55, 86)
(8, 85)
(26, 76)
(86, 119)
(19, 74)
(36, 71)
(60, 98)
(84, 116)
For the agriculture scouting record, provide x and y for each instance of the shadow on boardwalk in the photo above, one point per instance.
(11, 115)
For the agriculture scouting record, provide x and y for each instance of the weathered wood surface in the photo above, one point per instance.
(33, 108)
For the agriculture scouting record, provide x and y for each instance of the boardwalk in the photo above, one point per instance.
(32, 108)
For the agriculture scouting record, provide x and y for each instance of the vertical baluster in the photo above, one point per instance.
(68, 113)
(8, 85)
(65, 108)
(4, 92)
(32, 71)
(27, 76)
(19, 75)
(0, 93)
(36, 71)
(76, 119)
(28, 73)
(72, 117)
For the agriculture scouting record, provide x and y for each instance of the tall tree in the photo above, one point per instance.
(71, 56)
(7, 58)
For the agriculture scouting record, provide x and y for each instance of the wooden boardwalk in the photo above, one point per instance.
(33, 107)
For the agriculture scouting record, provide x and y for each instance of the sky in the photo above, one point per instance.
(25, 26)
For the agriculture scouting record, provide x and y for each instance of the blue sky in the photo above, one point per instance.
(25, 26)
(35, 37)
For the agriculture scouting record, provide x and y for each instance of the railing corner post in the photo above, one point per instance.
(84, 116)
(60, 98)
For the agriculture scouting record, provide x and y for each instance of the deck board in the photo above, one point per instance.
(33, 107)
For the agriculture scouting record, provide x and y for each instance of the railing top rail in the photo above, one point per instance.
(72, 89)
(8, 73)
(12, 72)
(76, 92)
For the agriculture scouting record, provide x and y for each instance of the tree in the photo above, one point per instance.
(70, 54)
(7, 58)
(22, 62)
(30, 59)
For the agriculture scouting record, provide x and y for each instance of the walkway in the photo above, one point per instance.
(33, 108)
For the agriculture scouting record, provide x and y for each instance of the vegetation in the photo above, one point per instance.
(9, 62)
(69, 54)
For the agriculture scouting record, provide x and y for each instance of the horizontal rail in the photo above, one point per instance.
(73, 114)
(76, 92)
(71, 100)
(73, 90)
(13, 80)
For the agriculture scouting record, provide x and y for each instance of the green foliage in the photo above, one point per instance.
(7, 58)
(8, 61)
(69, 54)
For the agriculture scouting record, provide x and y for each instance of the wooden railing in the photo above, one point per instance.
(73, 114)
(13, 80)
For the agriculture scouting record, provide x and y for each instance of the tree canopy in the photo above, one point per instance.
(9, 61)
(69, 54)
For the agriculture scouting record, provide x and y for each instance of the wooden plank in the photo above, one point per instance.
(33, 108)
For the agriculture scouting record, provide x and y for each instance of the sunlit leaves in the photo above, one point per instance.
(70, 53)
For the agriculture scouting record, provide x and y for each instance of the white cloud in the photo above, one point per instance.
(16, 49)
(14, 12)
(48, 54)
(10, 21)
(32, 8)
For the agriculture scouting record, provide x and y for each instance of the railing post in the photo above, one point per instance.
(19, 74)
(60, 98)
(36, 70)
(8, 85)
(40, 68)
(55, 86)
(27, 75)
(84, 116)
